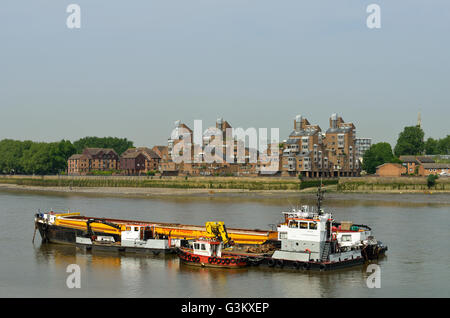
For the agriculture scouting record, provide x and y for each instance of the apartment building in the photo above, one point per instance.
(303, 153)
(362, 145)
(93, 159)
(341, 149)
(135, 161)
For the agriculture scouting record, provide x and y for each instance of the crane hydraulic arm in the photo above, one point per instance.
(219, 231)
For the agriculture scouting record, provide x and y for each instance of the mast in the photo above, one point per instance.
(319, 198)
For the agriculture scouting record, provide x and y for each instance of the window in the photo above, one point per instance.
(203, 247)
(313, 226)
(293, 224)
(136, 229)
(303, 225)
(346, 238)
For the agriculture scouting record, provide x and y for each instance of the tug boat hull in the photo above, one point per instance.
(225, 261)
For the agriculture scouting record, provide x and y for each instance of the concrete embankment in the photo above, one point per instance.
(392, 184)
(208, 185)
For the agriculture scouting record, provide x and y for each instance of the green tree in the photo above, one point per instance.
(443, 146)
(431, 147)
(118, 144)
(376, 155)
(27, 157)
(410, 141)
(431, 180)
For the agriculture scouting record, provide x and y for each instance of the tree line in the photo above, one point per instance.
(410, 142)
(43, 158)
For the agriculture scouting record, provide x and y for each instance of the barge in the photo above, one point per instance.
(308, 238)
(129, 235)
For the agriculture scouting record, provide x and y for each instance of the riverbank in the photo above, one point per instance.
(208, 186)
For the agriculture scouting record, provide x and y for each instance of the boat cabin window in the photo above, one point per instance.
(196, 246)
(293, 224)
(136, 228)
(203, 247)
(303, 225)
(313, 226)
(346, 238)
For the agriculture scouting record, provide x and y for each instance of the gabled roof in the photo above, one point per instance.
(408, 159)
(77, 156)
(96, 151)
(424, 159)
(436, 165)
(131, 155)
(391, 163)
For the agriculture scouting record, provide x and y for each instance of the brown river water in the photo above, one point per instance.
(415, 227)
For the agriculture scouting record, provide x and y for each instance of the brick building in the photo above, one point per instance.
(390, 170)
(93, 159)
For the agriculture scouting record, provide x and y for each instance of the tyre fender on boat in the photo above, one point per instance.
(306, 265)
(271, 262)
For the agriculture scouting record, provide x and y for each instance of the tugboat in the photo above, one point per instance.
(207, 252)
(311, 239)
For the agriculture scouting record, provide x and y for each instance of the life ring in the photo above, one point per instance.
(308, 250)
(334, 236)
(271, 262)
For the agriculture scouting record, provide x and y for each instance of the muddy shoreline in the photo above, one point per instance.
(434, 197)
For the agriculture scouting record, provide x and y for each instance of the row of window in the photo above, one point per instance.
(302, 225)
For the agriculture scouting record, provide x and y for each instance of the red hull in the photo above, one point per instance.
(226, 261)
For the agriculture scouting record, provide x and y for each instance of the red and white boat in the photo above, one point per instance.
(208, 252)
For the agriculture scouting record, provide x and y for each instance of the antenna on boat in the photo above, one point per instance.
(319, 198)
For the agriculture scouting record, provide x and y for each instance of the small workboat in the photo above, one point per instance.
(207, 252)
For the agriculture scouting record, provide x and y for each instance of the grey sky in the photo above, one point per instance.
(136, 66)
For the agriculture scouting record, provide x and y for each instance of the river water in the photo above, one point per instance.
(415, 228)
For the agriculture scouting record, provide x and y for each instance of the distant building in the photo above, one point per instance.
(426, 169)
(390, 170)
(362, 145)
(93, 159)
(412, 163)
(341, 149)
(139, 160)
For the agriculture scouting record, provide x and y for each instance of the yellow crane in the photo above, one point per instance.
(219, 231)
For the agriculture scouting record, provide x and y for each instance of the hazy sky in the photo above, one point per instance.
(136, 66)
